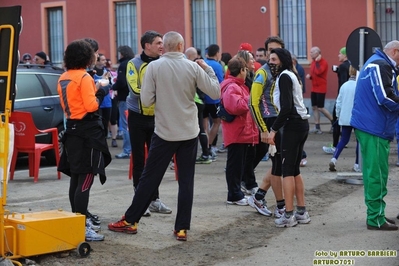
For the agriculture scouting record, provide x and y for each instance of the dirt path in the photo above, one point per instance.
(219, 232)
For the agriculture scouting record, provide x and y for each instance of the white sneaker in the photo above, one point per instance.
(147, 213)
(329, 149)
(303, 162)
(90, 224)
(91, 235)
(248, 192)
(286, 222)
(332, 165)
(241, 202)
(158, 206)
(356, 168)
(316, 131)
(222, 149)
(253, 191)
(259, 205)
(214, 151)
(302, 218)
(278, 212)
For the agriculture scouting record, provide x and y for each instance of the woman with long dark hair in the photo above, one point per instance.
(292, 118)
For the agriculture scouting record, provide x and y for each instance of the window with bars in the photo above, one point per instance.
(55, 29)
(387, 18)
(292, 24)
(203, 23)
(126, 24)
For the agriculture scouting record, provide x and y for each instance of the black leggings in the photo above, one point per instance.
(203, 137)
(113, 120)
(79, 191)
(336, 128)
(105, 116)
(295, 133)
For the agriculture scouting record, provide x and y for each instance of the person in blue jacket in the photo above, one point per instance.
(374, 115)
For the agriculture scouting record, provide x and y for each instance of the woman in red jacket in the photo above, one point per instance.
(240, 132)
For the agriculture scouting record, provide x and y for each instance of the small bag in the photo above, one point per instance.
(223, 114)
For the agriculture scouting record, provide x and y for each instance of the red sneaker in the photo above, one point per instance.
(181, 235)
(123, 226)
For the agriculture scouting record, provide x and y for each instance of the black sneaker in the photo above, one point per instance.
(94, 218)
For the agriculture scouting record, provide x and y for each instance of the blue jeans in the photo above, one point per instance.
(345, 138)
(123, 127)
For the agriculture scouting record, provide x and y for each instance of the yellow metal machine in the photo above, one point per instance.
(36, 233)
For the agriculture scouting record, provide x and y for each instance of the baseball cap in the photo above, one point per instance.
(246, 47)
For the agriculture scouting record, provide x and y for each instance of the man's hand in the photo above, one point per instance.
(308, 76)
(318, 58)
(263, 136)
(202, 64)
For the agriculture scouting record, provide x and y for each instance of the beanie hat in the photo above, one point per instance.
(27, 56)
(42, 55)
(246, 47)
(343, 51)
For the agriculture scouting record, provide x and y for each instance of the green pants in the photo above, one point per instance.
(375, 152)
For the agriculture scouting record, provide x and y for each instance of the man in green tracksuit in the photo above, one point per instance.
(374, 115)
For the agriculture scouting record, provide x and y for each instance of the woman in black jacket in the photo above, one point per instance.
(292, 118)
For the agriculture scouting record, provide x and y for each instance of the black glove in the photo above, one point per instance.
(102, 92)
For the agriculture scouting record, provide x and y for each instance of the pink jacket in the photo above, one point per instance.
(235, 98)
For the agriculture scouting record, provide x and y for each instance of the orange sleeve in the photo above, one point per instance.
(88, 91)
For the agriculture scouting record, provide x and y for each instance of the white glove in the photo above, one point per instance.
(272, 150)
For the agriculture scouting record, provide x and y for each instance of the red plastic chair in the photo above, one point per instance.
(25, 132)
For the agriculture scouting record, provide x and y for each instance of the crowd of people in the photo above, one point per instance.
(169, 98)
(40, 58)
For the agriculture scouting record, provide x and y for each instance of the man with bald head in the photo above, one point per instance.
(191, 53)
(374, 115)
(170, 83)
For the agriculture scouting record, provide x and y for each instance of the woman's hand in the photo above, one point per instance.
(270, 138)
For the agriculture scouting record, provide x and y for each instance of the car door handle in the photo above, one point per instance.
(48, 108)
